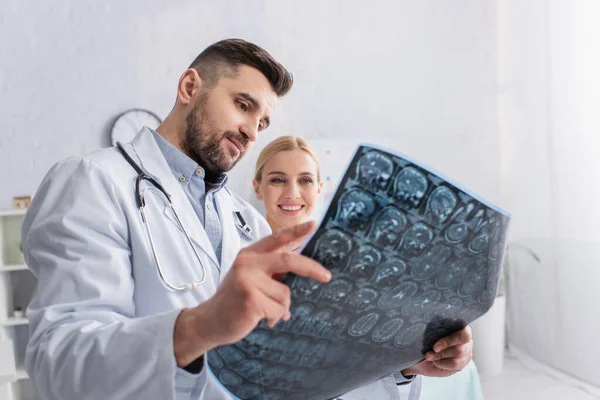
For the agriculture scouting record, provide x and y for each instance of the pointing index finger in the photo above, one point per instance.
(284, 262)
(283, 237)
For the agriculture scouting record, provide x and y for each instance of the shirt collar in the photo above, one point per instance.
(181, 165)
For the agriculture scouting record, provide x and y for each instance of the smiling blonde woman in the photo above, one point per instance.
(288, 180)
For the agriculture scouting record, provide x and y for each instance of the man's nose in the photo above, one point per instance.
(250, 130)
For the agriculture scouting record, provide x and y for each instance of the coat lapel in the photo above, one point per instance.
(231, 237)
(154, 164)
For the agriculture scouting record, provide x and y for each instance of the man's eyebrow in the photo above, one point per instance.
(256, 106)
(251, 99)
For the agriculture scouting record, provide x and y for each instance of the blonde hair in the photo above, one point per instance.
(284, 143)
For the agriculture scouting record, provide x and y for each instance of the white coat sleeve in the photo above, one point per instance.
(85, 342)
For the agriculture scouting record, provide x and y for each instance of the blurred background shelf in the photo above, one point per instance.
(14, 267)
(13, 321)
(22, 374)
(17, 287)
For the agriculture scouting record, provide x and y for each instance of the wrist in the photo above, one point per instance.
(190, 340)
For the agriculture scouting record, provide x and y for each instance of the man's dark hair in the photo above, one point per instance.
(225, 56)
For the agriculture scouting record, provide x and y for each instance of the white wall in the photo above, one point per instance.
(423, 73)
(549, 113)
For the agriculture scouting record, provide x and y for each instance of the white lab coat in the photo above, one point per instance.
(102, 319)
(386, 389)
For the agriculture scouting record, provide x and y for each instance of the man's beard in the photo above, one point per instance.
(203, 141)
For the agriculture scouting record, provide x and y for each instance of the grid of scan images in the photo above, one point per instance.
(414, 258)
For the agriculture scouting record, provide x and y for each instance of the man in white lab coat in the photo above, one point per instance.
(145, 260)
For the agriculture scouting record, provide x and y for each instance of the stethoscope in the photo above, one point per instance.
(142, 176)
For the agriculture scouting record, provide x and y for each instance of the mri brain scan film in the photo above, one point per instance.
(414, 258)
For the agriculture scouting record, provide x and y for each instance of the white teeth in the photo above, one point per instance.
(291, 208)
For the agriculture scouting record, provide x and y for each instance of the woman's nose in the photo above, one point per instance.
(292, 192)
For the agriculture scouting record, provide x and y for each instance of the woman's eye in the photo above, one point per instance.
(277, 180)
(306, 181)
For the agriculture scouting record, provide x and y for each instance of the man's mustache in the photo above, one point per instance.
(242, 139)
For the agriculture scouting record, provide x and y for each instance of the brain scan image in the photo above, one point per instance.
(337, 290)
(414, 258)
(458, 230)
(388, 227)
(364, 324)
(363, 261)
(336, 327)
(299, 316)
(375, 170)
(355, 209)
(305, 287)
(315, 353)
(415, 241)
(389, 274)
(254, 341)
(399, 296)
(250, 369)
(440, 205)
(477, 280)
(411, 336)
(332, 248)
(317, 322)
(275, 347)
(387, 330)
(411, 186)
(432, 263)
(423, 303)
(296, 350)
(453, 273)
(362, 298)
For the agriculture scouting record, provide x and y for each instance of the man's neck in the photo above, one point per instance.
(170, 134)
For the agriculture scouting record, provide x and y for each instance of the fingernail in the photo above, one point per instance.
(437, 348)
(327, 275)
(429, 356)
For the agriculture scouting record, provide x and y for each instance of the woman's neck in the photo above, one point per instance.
(274, 225)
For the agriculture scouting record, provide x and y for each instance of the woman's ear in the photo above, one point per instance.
(257, 190)
(320, 187)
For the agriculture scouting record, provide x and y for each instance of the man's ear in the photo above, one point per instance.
(189, 85)
(259, 196)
